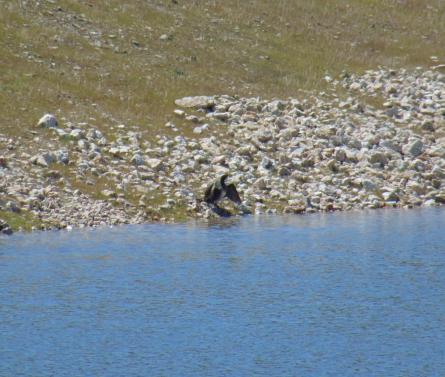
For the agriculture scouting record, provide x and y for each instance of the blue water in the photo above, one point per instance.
(338, 294)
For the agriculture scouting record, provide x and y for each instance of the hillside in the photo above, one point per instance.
(116, 66)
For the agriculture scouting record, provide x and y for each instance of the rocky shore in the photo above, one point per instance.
(321, 152)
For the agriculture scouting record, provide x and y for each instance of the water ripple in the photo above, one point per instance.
(337, 294)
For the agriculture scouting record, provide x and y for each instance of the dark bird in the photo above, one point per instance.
(219, 190)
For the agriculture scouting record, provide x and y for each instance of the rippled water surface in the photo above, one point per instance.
(341, 294)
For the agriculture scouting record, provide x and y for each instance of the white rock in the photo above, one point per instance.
(76, 134)
(48, 120)
(430, 203)
(180, 140)
(198, 102)
(416, 187)
(261, 183)
(179, 113)
(156, 164)
(200, 158)
(109, 193)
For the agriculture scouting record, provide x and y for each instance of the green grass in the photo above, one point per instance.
(110, 53)
(23, 220)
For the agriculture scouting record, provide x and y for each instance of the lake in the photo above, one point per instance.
(334, 294)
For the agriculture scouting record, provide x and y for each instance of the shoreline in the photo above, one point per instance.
(315, 153)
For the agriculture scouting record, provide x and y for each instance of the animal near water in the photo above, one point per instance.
(218, 190)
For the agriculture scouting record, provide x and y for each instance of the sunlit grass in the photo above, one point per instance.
(110, 53)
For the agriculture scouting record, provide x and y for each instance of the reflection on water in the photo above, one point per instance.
(339, 294)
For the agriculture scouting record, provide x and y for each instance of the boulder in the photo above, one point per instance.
(48, 120)
(200, 102)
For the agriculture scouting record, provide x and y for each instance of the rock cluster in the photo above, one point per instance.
(320, 153)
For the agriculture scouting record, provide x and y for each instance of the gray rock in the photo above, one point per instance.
(378, 158)
(48, 120)
(267, 163)
(340, 154)
(368, 184)
(413, 148)
(12, 206)
(390, 145)
(438, 171)
(137, 160)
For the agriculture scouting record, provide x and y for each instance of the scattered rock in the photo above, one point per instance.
(48, 120)
(137, 160)
(199, 102)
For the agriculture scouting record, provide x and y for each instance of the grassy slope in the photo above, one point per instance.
(103, 62)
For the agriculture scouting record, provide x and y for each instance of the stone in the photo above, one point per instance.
(179, 113)
(156, 164)
(339, 154)
(267, 163)
(436, 152)
(283, 171)
(42, 160)
(440, 197)
(391, 196)
(109, 193)
(180, 140)
(62, 157)
(413, 149)
(390, 145)
(378, 158)
(200, 158)
(430, 203)
(221, 116)
(200, 102)
(48, 120)
(76, 134)
(261, 183)
(438, 172)
(368, 184)
(417, 187)
(264, 135)
(244, 150)
(137, 160)
(12, 206)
